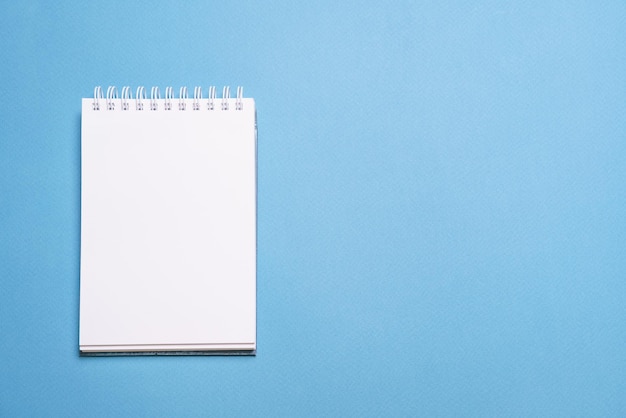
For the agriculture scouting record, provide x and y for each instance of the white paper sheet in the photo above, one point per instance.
(168, 228)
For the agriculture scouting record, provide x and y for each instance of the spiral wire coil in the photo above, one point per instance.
(111, 98)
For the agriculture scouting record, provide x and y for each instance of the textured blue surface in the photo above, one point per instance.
(441, 205)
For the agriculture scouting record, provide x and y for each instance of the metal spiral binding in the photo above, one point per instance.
(111, 94)
(239, 101)
(182, 97)
(225, 97)
(155, 96)
(169, 95)
(211, 97)
(126, 96)
(140, 97)
(197, 95)
(97, 95)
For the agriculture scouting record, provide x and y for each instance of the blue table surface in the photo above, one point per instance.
(441, 205)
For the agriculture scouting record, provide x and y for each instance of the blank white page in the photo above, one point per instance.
(168, 228)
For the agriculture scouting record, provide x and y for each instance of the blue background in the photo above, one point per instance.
(441, 205)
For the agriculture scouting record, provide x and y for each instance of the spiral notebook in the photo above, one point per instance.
(168, 223)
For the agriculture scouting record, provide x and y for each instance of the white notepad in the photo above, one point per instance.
(168, 223)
